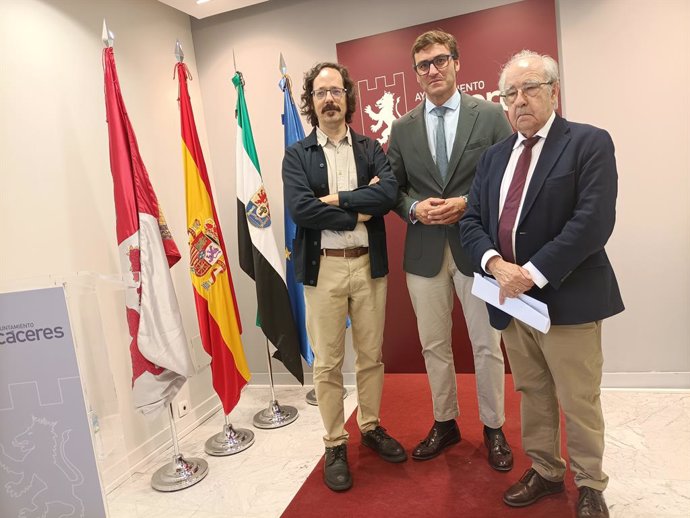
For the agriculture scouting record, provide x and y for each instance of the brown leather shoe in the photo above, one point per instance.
(591, 504)
(530, 488)
(500, 454)
(435, 442)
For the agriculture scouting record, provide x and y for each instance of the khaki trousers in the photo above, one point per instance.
(432, 299)
(345, 287)
(562, 366)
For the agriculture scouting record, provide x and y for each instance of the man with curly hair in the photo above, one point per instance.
(338, 186)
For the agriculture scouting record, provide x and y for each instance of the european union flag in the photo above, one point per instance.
(294, 132)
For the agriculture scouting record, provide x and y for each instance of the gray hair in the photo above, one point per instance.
(550, 66)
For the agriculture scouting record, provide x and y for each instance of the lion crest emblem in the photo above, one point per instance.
(41, 440)
(387, 112)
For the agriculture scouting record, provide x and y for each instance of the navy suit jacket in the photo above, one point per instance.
(567, 217)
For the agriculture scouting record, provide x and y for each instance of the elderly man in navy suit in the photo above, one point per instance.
(541, 208)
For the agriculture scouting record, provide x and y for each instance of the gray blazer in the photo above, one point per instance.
(481, 124)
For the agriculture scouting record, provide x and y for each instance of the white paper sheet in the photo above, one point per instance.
(526, 309)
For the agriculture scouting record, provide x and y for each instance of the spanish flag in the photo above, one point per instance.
(216, 307)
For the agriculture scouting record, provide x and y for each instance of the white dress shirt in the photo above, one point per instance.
(450, 120)
(450, 125)
(342, 176)
(518, 148)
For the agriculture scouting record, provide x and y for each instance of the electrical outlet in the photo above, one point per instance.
(182, 408)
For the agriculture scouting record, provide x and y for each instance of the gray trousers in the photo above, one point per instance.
(432, 299)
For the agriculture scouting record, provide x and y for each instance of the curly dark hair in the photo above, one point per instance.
(307, 106)
(432, 37)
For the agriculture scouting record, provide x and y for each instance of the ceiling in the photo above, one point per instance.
(209, 8)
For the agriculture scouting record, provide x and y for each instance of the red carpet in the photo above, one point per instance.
(457, 483)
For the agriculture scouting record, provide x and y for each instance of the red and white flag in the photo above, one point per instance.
(161, 362)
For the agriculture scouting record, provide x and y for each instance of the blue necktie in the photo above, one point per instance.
(441, 152)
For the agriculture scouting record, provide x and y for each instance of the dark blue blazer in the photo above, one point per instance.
(567, 218)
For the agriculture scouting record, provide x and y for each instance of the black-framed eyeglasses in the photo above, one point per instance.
(529, 89)
(440, 62)
(336, 93)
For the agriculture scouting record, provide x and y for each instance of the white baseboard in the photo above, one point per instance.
(628, 380)
(610, 380)
(646, 380)
(285, 378)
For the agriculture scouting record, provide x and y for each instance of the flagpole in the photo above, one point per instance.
(228, 441)
(275, 416)
(273, 316)
(181, 473)
(286, 86)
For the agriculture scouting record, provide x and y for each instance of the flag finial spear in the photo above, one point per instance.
(107, 36)
(285, 82)
(234, 64)
(178, 51)
(283, 66)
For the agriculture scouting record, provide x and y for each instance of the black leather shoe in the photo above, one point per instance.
(336, 473)
(436, 441)
(530, 488)
(591, 504)
(388, 448)
(500, 454)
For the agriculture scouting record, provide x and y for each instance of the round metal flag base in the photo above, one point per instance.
(275, 416)
(311, 397)
(229, 441)
(179, 474)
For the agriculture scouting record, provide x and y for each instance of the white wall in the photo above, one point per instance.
(625, 68)
(56, 199)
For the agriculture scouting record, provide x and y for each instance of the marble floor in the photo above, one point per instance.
(647, 458)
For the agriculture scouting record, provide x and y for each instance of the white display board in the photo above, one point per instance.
(47, 462)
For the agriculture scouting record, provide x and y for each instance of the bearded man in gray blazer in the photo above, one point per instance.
(433, 152)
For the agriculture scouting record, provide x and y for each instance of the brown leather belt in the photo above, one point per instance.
(348, 253)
